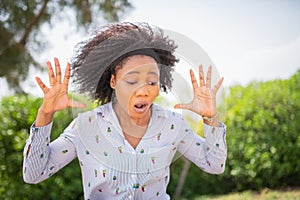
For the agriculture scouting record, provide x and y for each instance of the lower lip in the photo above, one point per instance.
(140, 110)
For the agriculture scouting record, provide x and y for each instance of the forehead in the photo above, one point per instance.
(138, 63)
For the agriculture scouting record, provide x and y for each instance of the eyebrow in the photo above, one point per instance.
(137, 72)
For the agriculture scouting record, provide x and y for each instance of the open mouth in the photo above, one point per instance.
(140, 107)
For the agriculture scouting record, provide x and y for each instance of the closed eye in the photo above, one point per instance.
(131, 82)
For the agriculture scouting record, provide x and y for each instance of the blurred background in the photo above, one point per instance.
(255, 45)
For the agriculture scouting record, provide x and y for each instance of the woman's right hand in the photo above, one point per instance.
(56, 96)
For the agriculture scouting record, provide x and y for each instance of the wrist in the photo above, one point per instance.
(43, 118)
(211, 120)
(43, 112)
(44, 109)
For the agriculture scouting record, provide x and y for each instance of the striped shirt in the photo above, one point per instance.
(111, 167)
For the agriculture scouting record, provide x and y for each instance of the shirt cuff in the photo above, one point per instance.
(214, 134)
(40, 134)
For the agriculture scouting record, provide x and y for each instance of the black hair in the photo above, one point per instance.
(97, 59)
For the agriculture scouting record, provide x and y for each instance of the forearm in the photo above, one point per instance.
(208, 153)
(41, 158)
(36, 153)
(215, 148)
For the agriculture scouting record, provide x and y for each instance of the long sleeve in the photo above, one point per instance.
(41, 158)
(208, 153)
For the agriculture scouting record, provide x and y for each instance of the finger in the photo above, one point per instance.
(57, 70)
(208, 77)
(50, 74)
(67, 76)
(42, 85)
(75, 104)
(201, 76)
(218, 85)
(193, 79)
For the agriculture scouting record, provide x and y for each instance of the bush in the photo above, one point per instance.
(263, 134)
(17, 114)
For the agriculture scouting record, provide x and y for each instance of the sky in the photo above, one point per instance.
(246, 40)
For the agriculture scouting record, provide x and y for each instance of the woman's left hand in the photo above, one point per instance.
(204, 101)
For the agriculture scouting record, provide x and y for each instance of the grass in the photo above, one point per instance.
(287, 194)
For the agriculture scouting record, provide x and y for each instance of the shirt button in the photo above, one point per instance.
(129, 196)
(133, 176)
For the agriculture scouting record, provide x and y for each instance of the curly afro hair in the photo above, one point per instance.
(98, 58)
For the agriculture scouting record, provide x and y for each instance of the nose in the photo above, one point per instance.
(142, 90)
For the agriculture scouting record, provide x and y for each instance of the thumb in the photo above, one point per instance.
(76, 104)
(182, 106)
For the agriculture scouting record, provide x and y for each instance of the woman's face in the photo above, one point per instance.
(136, 85)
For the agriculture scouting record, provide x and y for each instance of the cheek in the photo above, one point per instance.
(154, 92)
(123, 95)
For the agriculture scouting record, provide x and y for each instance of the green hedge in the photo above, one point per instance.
(264, 134)
(17, 114)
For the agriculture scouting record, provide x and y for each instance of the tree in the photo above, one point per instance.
(21, 22)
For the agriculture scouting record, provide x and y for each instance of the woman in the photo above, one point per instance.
(126, 145)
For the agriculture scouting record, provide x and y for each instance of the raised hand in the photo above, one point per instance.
(204, 101)
(56, 96)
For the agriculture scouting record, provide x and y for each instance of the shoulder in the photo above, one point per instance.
(90, 115)
(159, 111)
(169, 122)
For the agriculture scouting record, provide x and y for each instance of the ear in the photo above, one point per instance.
(112, 81)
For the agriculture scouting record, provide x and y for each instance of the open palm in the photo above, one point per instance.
(204, 101)
(56, 96)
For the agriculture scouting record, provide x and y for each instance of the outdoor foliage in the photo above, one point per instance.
(21, 23)
(264, 134)
(17, 114)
